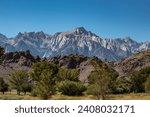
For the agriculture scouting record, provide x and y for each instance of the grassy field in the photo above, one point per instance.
(132, 96)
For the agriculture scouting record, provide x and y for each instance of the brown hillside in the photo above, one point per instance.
(135, 62)
(16, 60)
(24, 60)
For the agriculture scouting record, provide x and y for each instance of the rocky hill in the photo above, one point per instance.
(16, 60)
(71, 61)
(79, 62)
(20, 58)
(24, 60)
(130, 64)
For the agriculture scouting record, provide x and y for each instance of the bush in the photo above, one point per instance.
(26, 88)
(71, 88)
(3, 85)
(92, 90)
(138, 79)
(68, 74)
(1, 51)
(147, 85)
(123, 86)
(34, 92)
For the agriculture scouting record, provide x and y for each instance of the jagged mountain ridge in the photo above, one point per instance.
(78, 41)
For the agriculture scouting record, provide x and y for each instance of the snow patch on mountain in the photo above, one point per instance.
(77, 41)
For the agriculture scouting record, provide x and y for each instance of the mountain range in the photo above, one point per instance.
(78, 41)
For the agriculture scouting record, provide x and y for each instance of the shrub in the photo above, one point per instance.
(123, 86)
(138, 79)
(147, 85)
(3, 85)
(34, 92)
(71, 88)
(92, 90)
(26, 88)
(1, 51)
(68, 74)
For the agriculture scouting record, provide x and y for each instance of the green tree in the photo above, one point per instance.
(68, 74)
(138, 79)
(44, 77)
(123, 86)
(71, 88)
(18, 79)
(147, 85)
(1, 51)
(46, 86)
(27, 87)
(3, 85)
(40, 67)
(92, 90)
(102, 79)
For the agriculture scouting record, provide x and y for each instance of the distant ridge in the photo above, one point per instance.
(77, 41)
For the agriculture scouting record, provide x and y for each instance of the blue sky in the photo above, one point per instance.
(106, 18)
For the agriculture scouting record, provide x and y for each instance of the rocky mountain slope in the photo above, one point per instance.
(79, 62)
(135, 62)
(24, 60)
(21, 58)
(78, 41)
(16, 60)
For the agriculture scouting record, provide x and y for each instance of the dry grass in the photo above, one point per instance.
(132, 96)
(13, 96)
(64, 97)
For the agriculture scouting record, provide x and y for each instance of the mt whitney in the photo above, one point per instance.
(77, 41)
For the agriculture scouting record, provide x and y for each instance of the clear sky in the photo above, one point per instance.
(106, 18)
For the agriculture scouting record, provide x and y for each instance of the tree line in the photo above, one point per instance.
(45, 79)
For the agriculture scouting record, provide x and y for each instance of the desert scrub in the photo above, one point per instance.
(71, 88)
